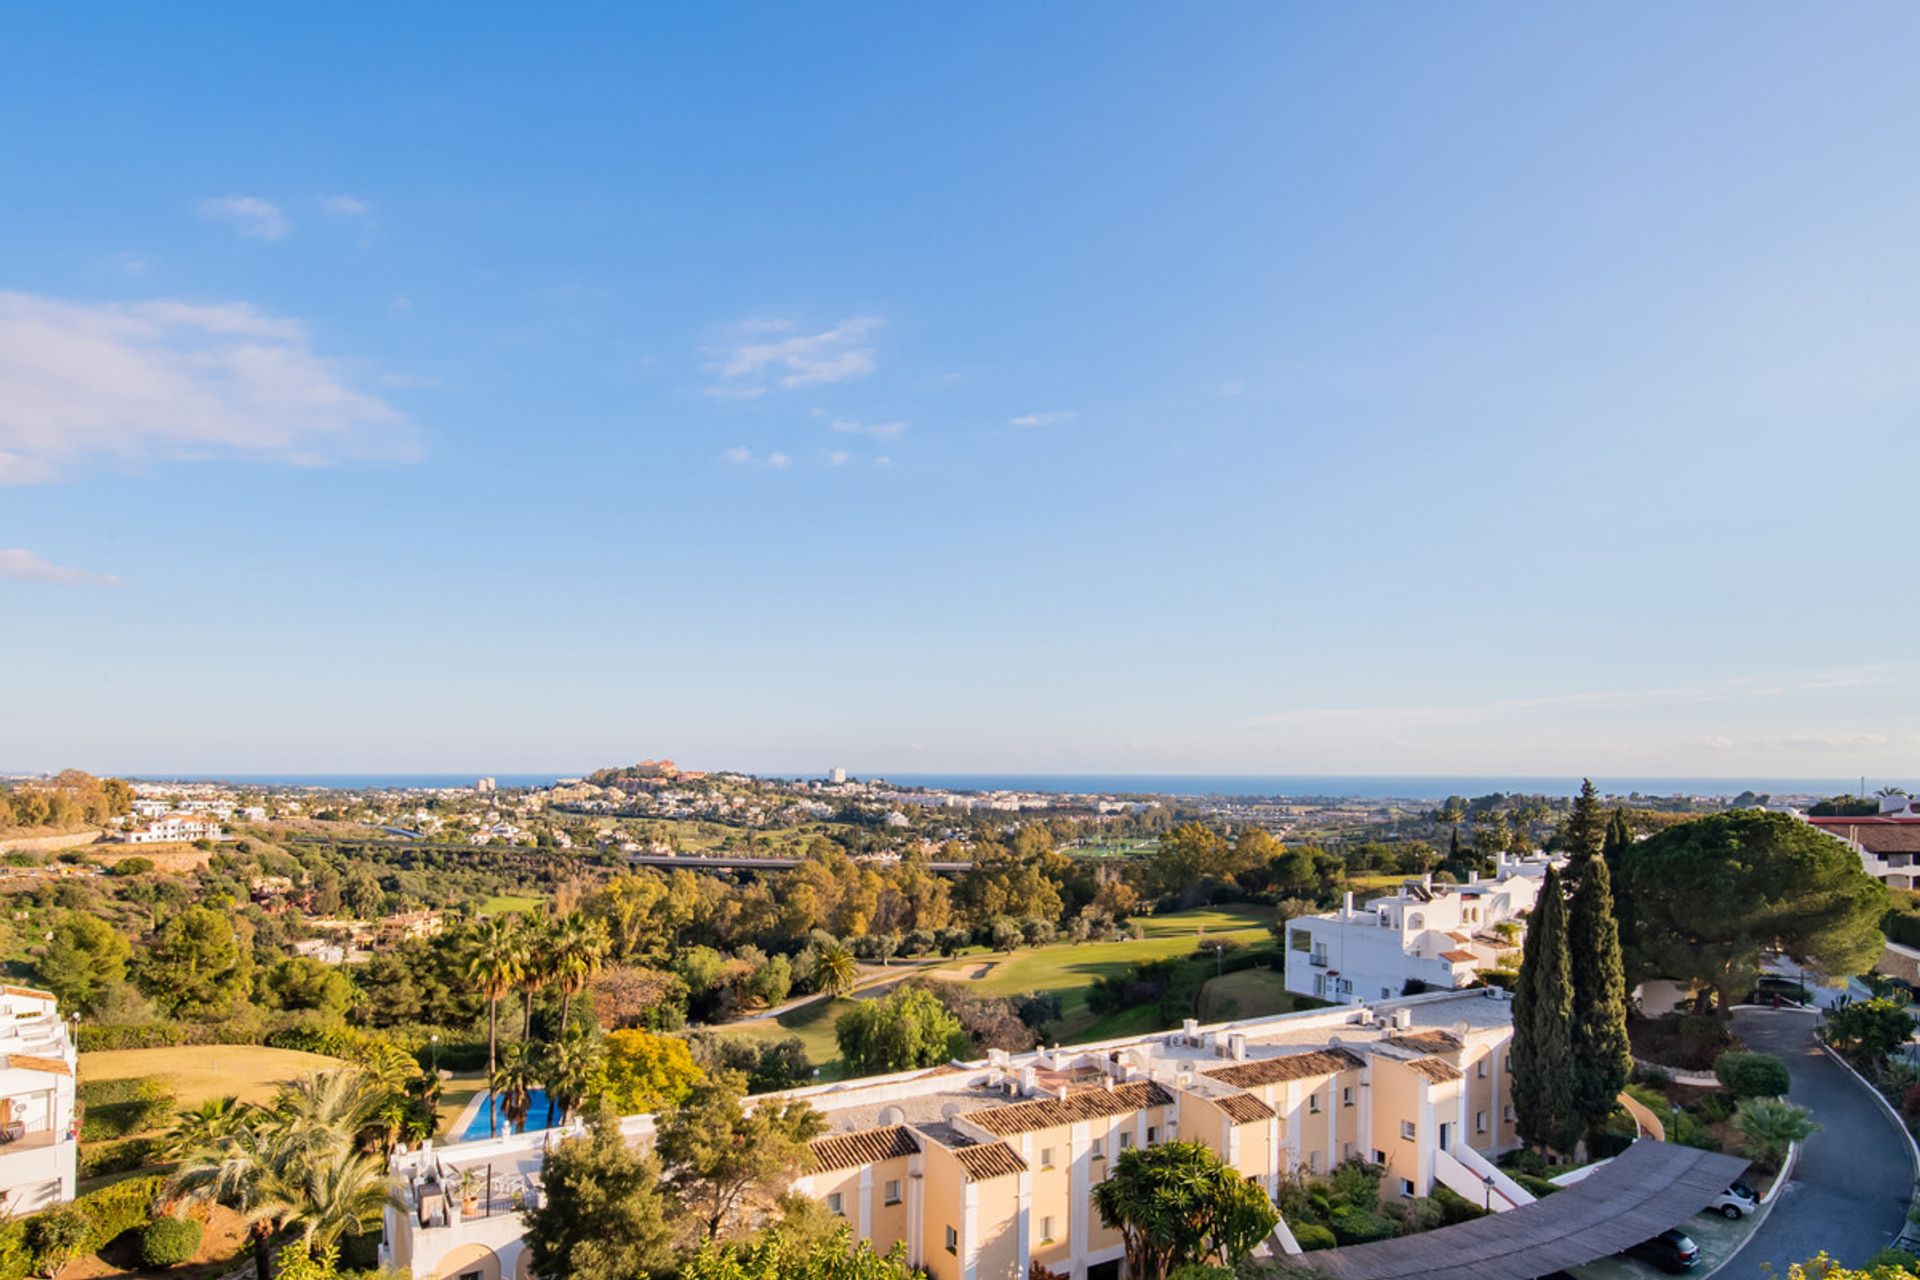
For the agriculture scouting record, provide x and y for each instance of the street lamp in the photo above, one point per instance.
(434, 1040)
(1487, 1179)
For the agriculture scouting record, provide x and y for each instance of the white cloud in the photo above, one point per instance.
(1053, 419)
(253, 217)
(742, 456)
(345, 207)
(18, 562)
(883, 461)
(171, 379)
(878, 430)
(763, 354)
(131, 263)
(839, 458)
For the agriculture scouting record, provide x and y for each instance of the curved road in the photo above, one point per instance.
(1854, 1178)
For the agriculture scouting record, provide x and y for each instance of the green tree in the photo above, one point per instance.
(514, 1081)
(909, 1028)
(1192, 854)
(1178, 1203)
(85, 958)
(776, 1256)
(301, 983)
(1868, 1031)
(1584, 832)
(728, 1167)
(571, 1068)
(1619, 839)
(1543, 1097)
(578, 947)
(603, 1213)
(196, 966)
(1712, 896)
(1602, 1058)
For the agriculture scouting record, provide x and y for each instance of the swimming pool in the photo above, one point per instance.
(540, 1115)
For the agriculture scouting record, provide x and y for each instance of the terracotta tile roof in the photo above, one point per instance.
(28, 1062)
(1425, 1041)
(989, 1160)
(1458, 936)
(1459, 957)
(1244, 1108)
(1087, 1104)
(28, 991)
(1438, 1070)
(1875, 835)
(868, 1146)
(1292, 1066)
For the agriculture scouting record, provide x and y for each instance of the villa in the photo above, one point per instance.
(984, 1168)
(38, 1128)
(1425, 937)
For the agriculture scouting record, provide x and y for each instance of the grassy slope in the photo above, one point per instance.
(1068, 968)
(1250, 993)
(510, 903)
(250, 1072)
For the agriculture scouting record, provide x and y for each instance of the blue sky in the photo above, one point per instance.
(1249, 388)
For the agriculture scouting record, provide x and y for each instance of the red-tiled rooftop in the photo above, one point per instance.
(869, 1146)
(1087, 1104)
(1291, 1066)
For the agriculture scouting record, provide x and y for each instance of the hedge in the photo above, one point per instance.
(1752, 1075)
(111, 1120)
(99, 1093)
(168, 1242)
(1311, 1235)
(119, 1208)
(97, 1158)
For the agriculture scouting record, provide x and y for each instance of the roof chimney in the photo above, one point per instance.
(1348, 908)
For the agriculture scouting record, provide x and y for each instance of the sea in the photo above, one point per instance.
(1305, 786)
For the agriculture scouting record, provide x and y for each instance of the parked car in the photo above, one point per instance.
(1737, 1201)
(1671, 1251)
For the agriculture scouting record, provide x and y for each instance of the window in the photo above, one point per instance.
(1346, 1151)
(1126, 1140)
(1506, 1113)
(1046, 1157)
(1300, 939)
(1097, 1151)
(893, 1191)
(1480, 1069)
(1046, 1229)
(1509, 1061)
(833, 1204)
(1408, 1130)
(1386, 994)
(953, 1241)
(469, 1275)
(1379, 1157)
(1153, 1135)
(1313, 1103)
(1346, 1096)
(1406, 1186)
(1479, 1122)
(1313, 1162)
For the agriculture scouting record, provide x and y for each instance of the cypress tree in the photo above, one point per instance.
(1602, 1058)
(1453, 848)
(1585, 830)
(1618, 839)
(1543, 1097)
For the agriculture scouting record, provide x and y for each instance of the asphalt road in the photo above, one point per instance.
(1854, 1178)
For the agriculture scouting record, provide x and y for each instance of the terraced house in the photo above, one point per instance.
(983, 1168)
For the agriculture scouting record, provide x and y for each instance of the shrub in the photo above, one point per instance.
(1357, 1226)
(112, 1211)
(1896, 1260)
(57, 1237)
(1752, 1075)
(1716, 1107)
(98, 1093)
(1770, 1126)
(168, 1242)
(107, 1120)
(97, 1158)
(1311, 1235)
(1537, 1185)
(131, 867)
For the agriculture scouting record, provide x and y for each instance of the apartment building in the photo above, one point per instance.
(174, 828)
(984, 1168)
(1888, 842)
(1426, 936)
(38, 1127)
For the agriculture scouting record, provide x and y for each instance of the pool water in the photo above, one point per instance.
(540, 1115)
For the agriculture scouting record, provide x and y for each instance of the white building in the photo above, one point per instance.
(38, 1128)
(175, 828)
(837, 776)
(1439, 935)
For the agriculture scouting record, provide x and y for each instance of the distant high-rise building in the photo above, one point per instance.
(485, 785)
(837, 775)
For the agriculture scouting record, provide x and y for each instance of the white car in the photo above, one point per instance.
(1735, 1202)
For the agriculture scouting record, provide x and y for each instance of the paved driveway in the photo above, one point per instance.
(1854, 1178)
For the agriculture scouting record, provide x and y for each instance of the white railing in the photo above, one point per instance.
(1478, 1181)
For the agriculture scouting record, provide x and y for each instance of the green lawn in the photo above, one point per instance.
(501, 904)
(1250, 993)
(1066, 967)
(250, 1072)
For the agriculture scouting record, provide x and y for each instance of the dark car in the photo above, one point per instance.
(1671, 1251)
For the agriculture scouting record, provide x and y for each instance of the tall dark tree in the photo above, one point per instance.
(1602, 1059)
(1543, 1103)
(1585, 831)
(1618, 840)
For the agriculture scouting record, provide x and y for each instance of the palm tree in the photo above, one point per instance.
(839, 971)
(494, 967)
(536, 965)
(325, 1110)
(579, 948)
(340, 1192)
(199, 1127)
(569, 1068)
(1770, 1126)
(514, 1082)
(236, 1170)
